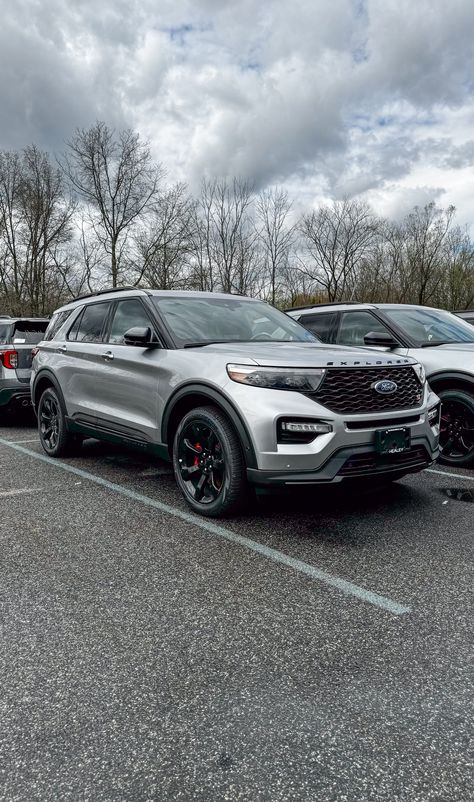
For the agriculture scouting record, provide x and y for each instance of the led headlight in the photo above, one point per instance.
(420, 372)
(304, 380)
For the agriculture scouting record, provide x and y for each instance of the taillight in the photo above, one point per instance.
(34, 351)
(9, 359)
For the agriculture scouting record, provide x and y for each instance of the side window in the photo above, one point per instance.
(88, 326)
(128, 314)
(55, 324)
(320, 324)
(355, 325)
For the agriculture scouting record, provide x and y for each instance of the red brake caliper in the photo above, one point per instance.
(199, 447)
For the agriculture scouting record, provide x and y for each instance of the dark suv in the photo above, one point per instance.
(17, 336)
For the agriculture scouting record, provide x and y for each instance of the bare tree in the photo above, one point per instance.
(337, 238)
(116, 178)
(164, 243)
(276, 235)
(228, 246)
(425, 233)
(35, 230)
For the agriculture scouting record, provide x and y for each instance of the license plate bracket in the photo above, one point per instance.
(392, 441)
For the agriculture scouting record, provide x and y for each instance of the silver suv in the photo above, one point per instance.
(231, 390)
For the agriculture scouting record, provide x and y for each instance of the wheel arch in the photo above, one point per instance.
(452, 380)
(191, 396)
(42, 381)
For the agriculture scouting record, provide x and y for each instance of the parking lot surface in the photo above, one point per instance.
(319, 648)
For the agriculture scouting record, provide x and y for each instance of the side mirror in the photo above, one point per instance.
(140, 335)
(380, 339)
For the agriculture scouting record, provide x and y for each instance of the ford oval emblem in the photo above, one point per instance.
(385, 387)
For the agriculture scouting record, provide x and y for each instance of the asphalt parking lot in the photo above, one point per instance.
(318, 649)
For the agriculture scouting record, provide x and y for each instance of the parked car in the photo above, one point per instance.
(17, 336)
(231, 390)
(442, 342)
(468, 315)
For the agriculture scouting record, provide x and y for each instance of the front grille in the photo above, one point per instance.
(370, 463)
(350, 390)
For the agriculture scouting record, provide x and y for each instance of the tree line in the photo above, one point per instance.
(105, 214)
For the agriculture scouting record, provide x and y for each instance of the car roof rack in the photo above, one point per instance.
(326, 303)
(105, 292)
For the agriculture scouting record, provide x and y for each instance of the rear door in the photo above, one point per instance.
(76, 357)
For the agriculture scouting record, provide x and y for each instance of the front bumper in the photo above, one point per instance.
(356, 462)
(348, 451)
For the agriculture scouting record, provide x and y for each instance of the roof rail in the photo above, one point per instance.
(104, 292)
(326, 303)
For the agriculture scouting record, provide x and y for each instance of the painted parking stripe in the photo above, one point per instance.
(452, 475)
(346, 587)
(18, 491)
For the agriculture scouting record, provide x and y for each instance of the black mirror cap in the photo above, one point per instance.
(380, 339)
(139, 335)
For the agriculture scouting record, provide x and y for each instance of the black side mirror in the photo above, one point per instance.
(140, 335)
(380, 339)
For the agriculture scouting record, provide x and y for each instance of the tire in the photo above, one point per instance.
(208, 463)
(54, 436)
(456, 439)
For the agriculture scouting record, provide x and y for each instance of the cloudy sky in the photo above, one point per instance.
(330, 98)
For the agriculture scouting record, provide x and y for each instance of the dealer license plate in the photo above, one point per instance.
(392, 441)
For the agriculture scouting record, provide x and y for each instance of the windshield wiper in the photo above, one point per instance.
(201, 343)
(441, 342)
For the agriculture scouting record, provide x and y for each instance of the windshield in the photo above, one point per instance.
(196, 321)
(431, 326)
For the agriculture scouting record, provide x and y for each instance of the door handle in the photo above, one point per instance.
(62, 348)
(108, 355)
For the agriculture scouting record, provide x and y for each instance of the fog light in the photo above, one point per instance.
(299, 426)
(433, 415)
(301, 431)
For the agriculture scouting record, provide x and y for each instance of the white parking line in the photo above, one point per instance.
(346, 587)
(18, 491)
(453, 475)
(19, 442)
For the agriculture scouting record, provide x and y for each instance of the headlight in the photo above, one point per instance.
(304, 380)
(420, 372)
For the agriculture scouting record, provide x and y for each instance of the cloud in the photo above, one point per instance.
(329, 97)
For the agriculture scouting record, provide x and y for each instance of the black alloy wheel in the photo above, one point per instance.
(54, 436)
(208, 462)
(456, 438)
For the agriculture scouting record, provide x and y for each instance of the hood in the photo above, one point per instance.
(301, 354)
(452, 347)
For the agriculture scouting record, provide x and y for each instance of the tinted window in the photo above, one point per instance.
(4, 334)
(55, 324)
(355, 325)
(320, 324)
(197, 320)
(88, 327)
(128, 314)
(431, 326)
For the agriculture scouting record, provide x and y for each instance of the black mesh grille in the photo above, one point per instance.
(372, 463)
(351, 390)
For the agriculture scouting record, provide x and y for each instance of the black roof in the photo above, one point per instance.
(327, 303)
